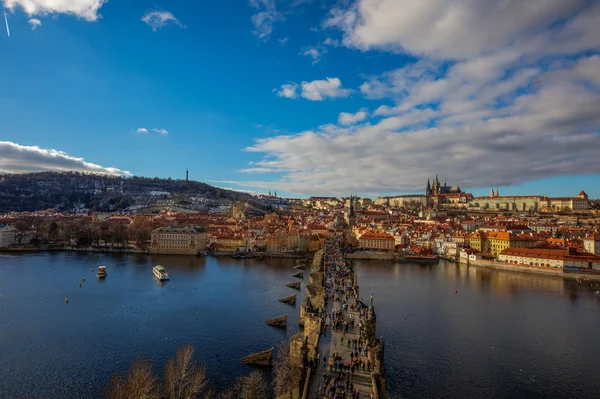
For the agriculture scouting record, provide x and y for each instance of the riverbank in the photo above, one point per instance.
(112, 250)
(532, 269)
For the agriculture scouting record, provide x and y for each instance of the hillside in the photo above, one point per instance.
(76, 192)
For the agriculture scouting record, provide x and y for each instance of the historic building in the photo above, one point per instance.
(591, 244)
(376, 240)
(435, 194)
(178, 240)
(560, 257)
(494, 242)
(522, 203)
(579, 203)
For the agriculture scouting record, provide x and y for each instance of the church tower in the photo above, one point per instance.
(428, 188)
(187, 175)
(350, 217)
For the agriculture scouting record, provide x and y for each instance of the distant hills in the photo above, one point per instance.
(78, 192)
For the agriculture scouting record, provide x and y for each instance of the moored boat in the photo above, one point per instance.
(101, 272)
(160, 273)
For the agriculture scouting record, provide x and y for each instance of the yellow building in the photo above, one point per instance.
(499, 241)
(178, 240)
(494, 242)
(228, 243)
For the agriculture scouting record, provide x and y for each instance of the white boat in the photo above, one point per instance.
(160, 273)
(101, 272)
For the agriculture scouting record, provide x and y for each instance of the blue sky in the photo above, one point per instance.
(307, 97)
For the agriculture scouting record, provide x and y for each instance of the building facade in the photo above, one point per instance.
(377, 241)
(579, 203)
(591, 244)
(557, 258)
(179, 240)
(7, 236)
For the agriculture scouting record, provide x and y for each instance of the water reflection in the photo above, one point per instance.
(458, 331)
(50, 349)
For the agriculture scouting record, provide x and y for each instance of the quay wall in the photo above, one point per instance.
(373, 256)
(531, 269)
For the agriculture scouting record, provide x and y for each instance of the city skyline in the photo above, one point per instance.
(307, 97)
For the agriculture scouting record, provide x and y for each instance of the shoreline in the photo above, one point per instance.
(113, 250)
(573, 275)
(532, 270)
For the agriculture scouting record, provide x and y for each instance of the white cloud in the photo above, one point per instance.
(503, 92)
(284, 40)
(346, 118)
(164, 132)
(288, 90)
(15, 158)
(314, 53)
(504, 127)
(158, 19)
(318, 90)
(449, 29)
(142, 130)
(86, 9)
(34, 23)
(265, 17)
(331, 42)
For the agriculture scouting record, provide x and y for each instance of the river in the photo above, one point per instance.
(450, 331)
(453, 331)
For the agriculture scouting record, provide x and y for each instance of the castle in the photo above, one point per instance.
(437, 189)
(435, 194)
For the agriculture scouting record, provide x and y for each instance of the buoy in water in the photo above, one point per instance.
(92, 270)
(84, 279)
(80, 284)
(66, 300)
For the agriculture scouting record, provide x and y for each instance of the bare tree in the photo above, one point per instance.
(184, 379)
(287, 371)
(140, 383)
(22, 230)
(254, 386)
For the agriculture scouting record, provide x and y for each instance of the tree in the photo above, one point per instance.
(252, 386)
(184, 379)
(287, 371)
(22, 229)
(53, 232)
(140, 383)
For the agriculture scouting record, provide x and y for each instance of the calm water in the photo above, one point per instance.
(503, 335)
(52, 350)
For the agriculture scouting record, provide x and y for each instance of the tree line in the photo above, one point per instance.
(184, 378)
(83, 231)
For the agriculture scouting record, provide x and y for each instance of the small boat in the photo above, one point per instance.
(101, 272)
(160, 273)
(242, 255)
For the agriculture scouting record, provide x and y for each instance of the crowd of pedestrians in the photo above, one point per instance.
(347, 317)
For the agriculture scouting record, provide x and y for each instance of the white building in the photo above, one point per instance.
(7, 236)
(592, 244)
(558, 258)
